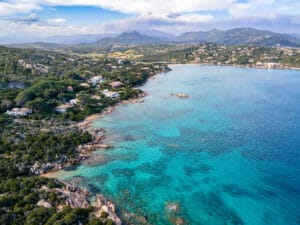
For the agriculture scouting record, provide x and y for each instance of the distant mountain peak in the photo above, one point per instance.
(129, 38)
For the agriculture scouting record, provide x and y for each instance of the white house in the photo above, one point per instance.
(116, 84)
(19, 111)
(111, 94)
(96, 80)
(62, 108)
(74, 101)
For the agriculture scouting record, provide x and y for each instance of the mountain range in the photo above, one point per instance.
(238, 36)
(241, 36)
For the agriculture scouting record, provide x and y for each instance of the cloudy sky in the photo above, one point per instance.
(41, 18)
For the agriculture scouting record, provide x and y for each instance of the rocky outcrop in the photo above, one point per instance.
(77, 197)
(142, 95)
(109, 110)
(180, 95)
(131, 101)
(173, 212)
(83, 150)
(101, 204)
(44, 203)
(173, 207)
(39, 168)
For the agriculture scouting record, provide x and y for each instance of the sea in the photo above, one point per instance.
(229, 154)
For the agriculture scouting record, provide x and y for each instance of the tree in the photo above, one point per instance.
(24, 96)
(38, 104)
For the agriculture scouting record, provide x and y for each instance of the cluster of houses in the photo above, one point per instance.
(96, 80)
(269, 65)
(220, 54)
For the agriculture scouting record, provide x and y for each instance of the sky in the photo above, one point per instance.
(29, 19)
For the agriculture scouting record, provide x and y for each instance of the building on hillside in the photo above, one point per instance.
(84, 85)
(70, 88)
(116, 84)
(74, 101)
(96, 80)
(63, 108)
(111, 94)
(272, 65)
(19, 112)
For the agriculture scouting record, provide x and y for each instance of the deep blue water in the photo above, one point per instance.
(229, 154)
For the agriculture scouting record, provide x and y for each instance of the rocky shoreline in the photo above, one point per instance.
(98, 136)
(76, 197)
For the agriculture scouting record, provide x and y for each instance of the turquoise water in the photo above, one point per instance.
(229, 154)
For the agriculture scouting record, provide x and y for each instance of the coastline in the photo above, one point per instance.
(98, 135)
(76, 193)
(87, 124)
(235, 65)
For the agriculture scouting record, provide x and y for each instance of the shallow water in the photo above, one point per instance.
(229, 154)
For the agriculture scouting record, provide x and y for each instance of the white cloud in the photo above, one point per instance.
(36, 30)
(138, 7)
(159, 7)
(169, 15)
(8, 8)
(56, 20)
(265, 8)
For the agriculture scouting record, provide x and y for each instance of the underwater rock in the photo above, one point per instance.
(177, 221)
(103, 146)
(128, 138)
(97, 160)
(173, 207)
(123, 172)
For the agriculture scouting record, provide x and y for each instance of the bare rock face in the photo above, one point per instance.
(41, 168)
(44, 203)
(75, 196)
